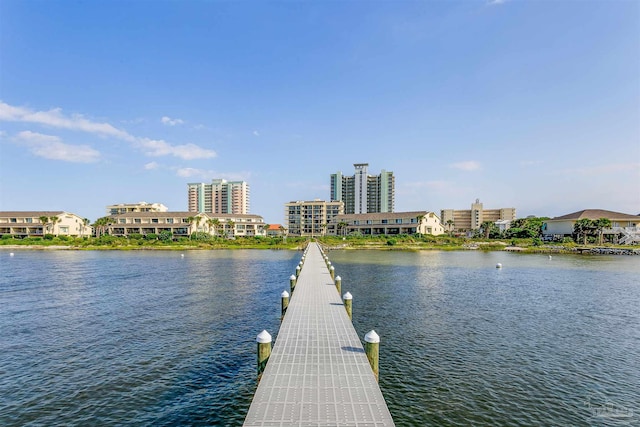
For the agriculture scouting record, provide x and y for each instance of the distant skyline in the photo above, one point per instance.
(525, 104)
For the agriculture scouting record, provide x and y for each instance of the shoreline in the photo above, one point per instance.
(595, 250)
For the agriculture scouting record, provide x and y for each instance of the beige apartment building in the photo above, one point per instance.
(219, 197)
(183, 224)
(386, 223)
(21, 224)
(135, 207)
(468, 220)
(310, 218)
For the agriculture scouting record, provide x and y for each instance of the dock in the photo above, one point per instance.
(318, 373)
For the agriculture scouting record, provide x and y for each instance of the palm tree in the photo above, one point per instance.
(45, 222)
(216, 225)
(450, 225)
(601, 224)
(583, 227)
(231, 226)
(85, 222)
(190, 220)
(54, 220)
(209, 225)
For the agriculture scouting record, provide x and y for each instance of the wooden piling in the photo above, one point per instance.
(339, 284)
(264, 350)
(292, 283)
(285, 302)
(372, 349)
(347, 299)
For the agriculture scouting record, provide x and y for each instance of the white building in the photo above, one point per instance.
(136, 207)
(20, 224)
(418, 222)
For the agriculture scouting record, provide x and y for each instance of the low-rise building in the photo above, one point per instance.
(21, 224)
(624, 227)
(310, 218)
(371, 224)
(276, 230)
(183, 224)
(462, 221)
(136, 207)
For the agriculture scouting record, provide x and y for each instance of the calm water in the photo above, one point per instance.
(154, 338)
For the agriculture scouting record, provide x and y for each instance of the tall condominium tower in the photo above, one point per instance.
(221, 196)
(364, 193)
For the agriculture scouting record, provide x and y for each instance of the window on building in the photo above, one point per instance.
(385, 221)
(137, 221)
(28, 220)
(399, 221)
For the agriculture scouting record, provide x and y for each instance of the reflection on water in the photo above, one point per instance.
(157, 338)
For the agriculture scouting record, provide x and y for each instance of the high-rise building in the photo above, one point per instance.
(221, 196)
(364, 193)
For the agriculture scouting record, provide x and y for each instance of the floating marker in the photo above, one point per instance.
(498, 265)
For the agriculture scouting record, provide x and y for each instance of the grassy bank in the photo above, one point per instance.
(399, 242)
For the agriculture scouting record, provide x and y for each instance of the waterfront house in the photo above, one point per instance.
(624, 227)
(21, 224)
(418, 222)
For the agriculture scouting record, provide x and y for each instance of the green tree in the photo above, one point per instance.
(231, 226)
(216, 225)
(450, 225)
(600, 225)
(584, 227)
(190, 221)
(45, 224)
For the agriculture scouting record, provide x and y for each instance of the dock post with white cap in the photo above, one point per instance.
(372, 349)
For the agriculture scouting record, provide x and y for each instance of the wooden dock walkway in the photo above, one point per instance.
(318, 373)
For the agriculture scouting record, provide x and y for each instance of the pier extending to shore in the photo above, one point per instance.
(318, 373)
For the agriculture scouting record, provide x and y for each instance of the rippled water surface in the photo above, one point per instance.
(155, 338)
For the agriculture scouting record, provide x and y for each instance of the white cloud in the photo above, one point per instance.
(256, 133)
(55, 118)
(158, 147)
(52, 147)
(76, 122)
(496, 2)
(151, 166)
(468, 166)
(171, 122)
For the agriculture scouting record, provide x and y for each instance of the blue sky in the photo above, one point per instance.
(526, 104)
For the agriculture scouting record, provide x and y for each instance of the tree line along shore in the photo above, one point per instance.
(383, 242)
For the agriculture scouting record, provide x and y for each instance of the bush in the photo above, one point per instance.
(48, 237)
(165, 236)
(7, 237)
(151, 236)
(391, 242)
(135, 236)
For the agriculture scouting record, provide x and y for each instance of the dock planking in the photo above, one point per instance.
(318, 373)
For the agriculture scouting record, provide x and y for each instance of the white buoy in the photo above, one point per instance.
(498, 265)
(182, 255)
(550, 257)
(11, 254)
